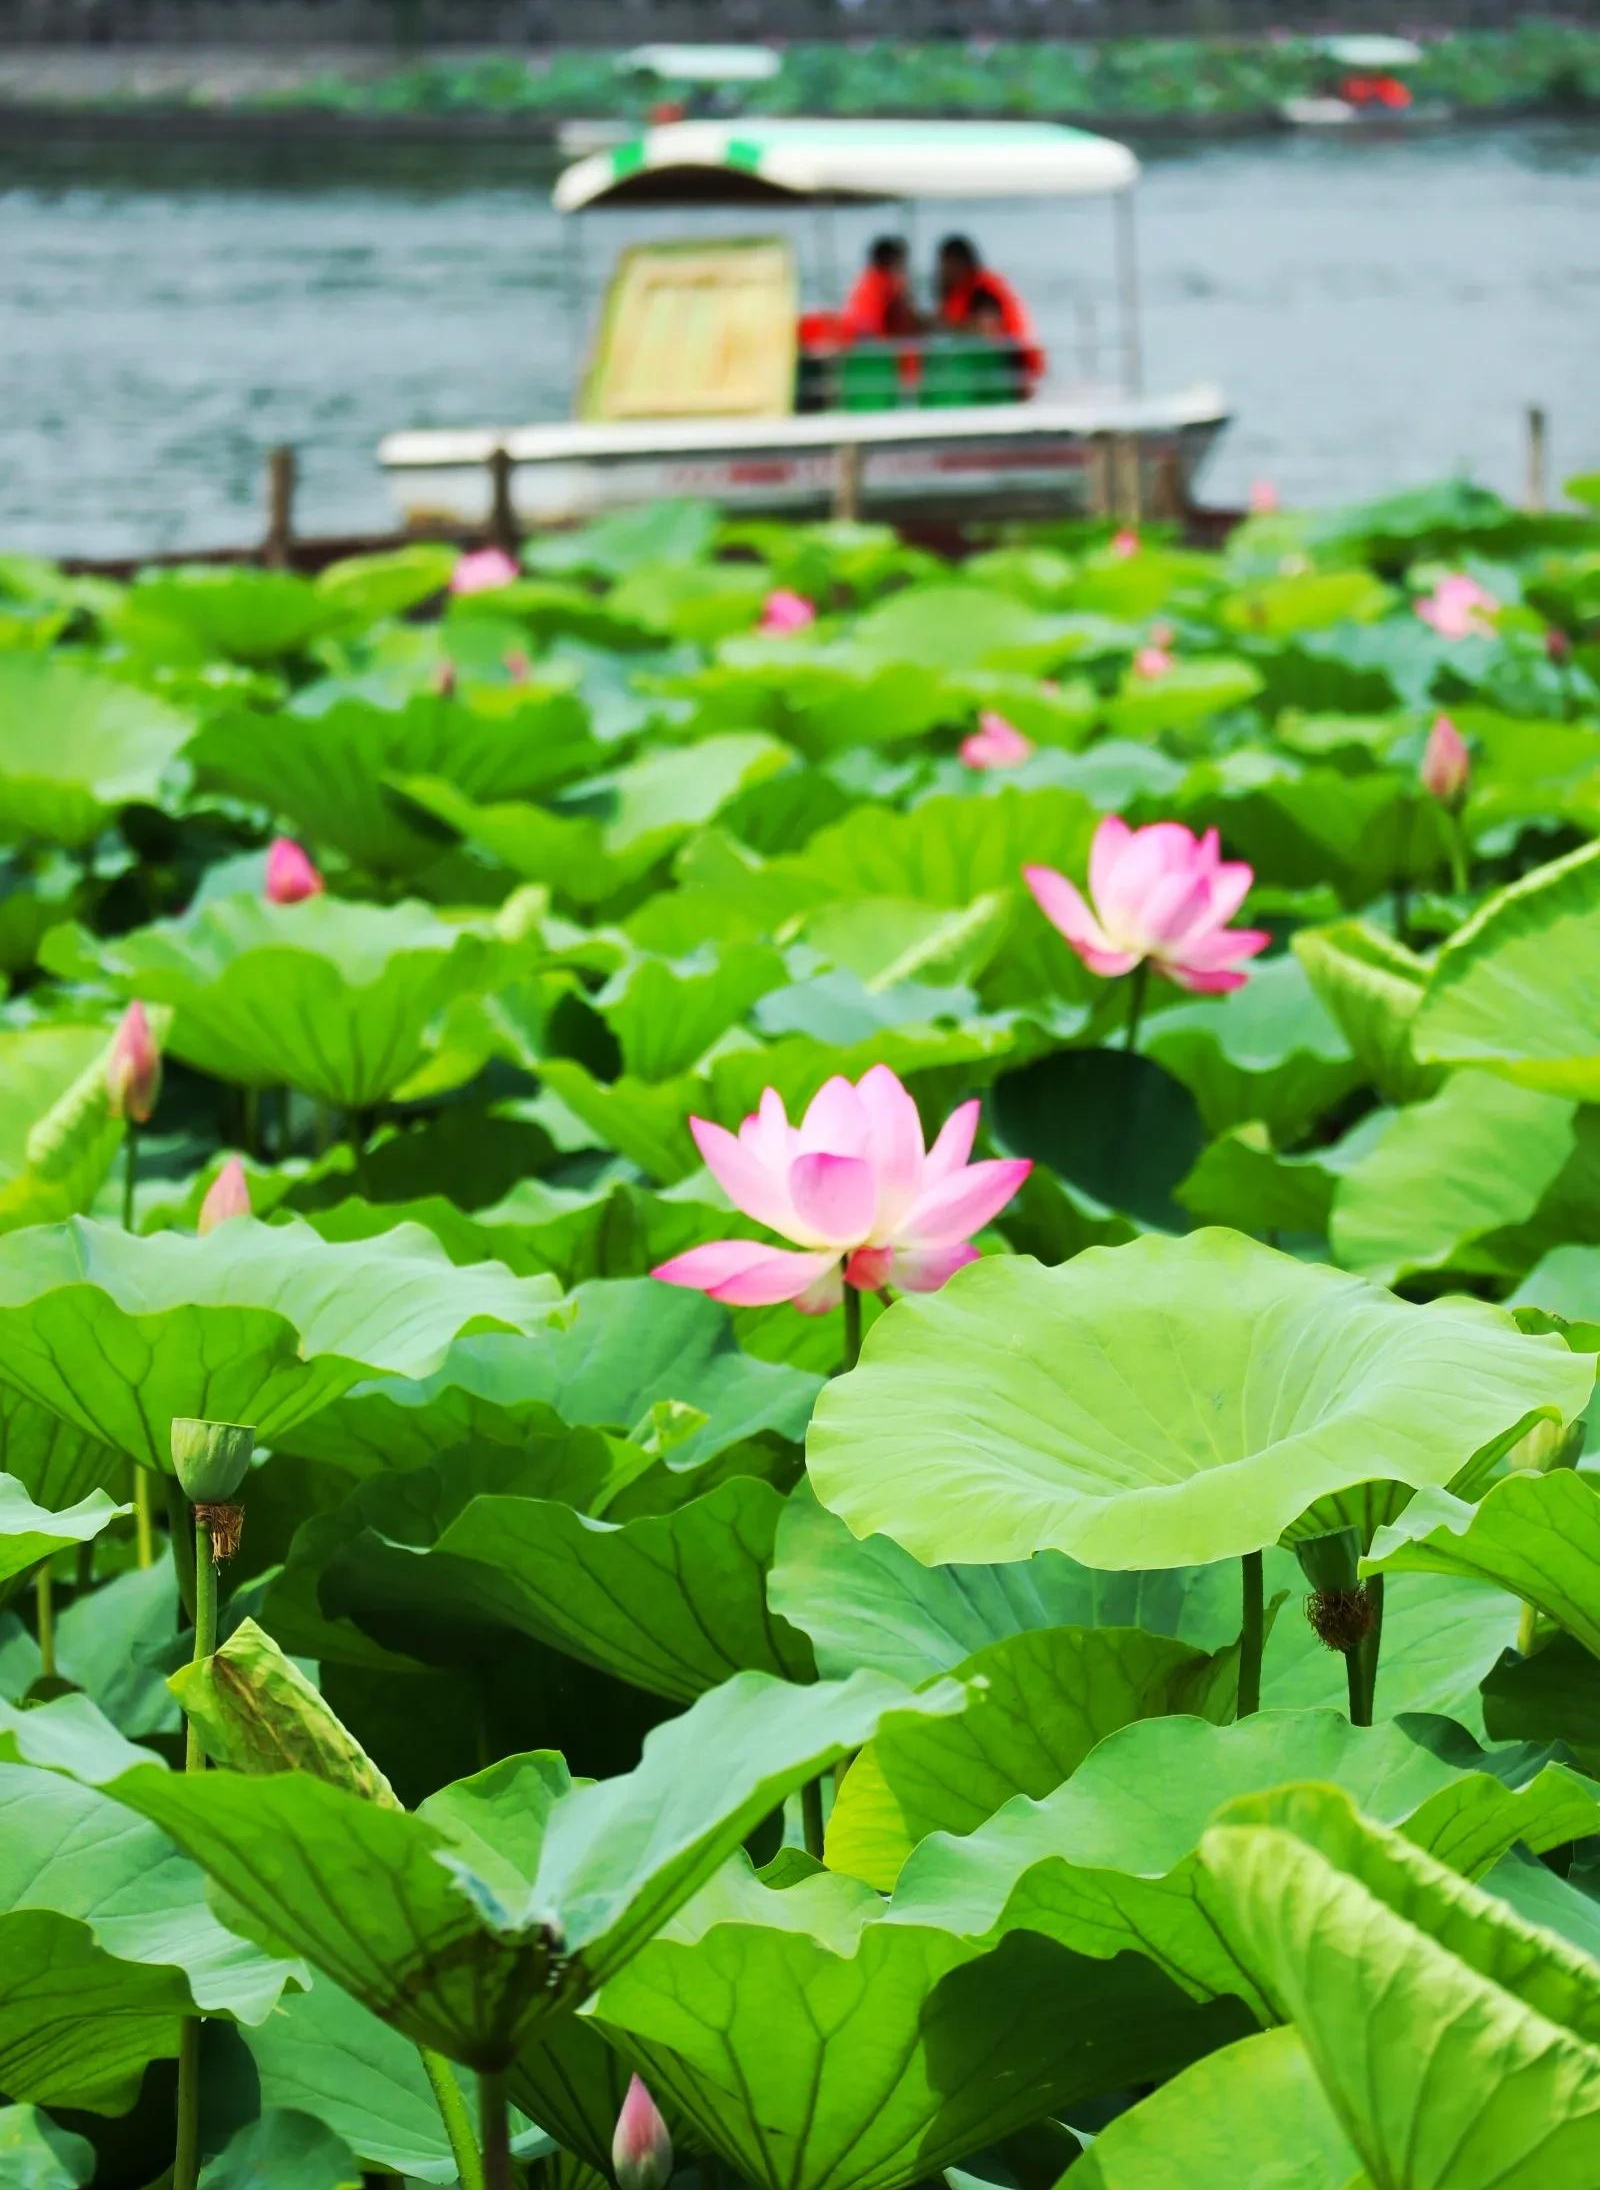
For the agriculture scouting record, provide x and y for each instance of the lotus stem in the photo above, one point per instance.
(811, 1817)
(1460, 877)
(1252, 1633)
(45, 1605)
(1138, 985)
(494, 2130)
(186, 2155)
(1369, 1647)
(1527, 1630)
(852, 1329)
(181, 1529)
(144, 1535)
(251, 1121)
(130, 1173)
(452, 2105)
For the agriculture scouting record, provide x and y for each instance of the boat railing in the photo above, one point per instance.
(919, 373)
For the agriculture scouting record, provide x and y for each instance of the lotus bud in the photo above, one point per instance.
(444, 680)
(133, 1069)
(256, 1712)
(1124, 543)
(291, 878)
(1446, 764)
(484, 570)
(1151, 662)
(641, 2149)
(1557, 647)
(227, 1196)
(518, 667)
(211, 1458)
(1263, 499)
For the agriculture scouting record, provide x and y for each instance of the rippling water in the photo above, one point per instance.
(1377, 313)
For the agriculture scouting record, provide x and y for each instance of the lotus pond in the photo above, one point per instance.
(794, 1347)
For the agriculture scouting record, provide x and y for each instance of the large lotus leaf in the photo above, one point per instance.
(1358, 833)
(1251, 2113)
(1538, 1535)
(1111, 1861)
(865, 1602)
(696, 602)
(1512, 992)
(92, 1899)
(76, 747)
(954, 626)
(679, 531)
(58, 1138)
(1190, 693)
(38, 2154)
(1373, 986)
(673, 1602)
(325, 2056)
(29, 1533)
(821, 699)
(947, 850)
(621, 1348)
(812, 2042)
(511, 1896)
(1044, 1699)
(247, 615)
(53, 1460)
(1115, 1129)
(334, 998)
(1447, 1175)
(1456, 2043)
(1165, 1403)
(610, 831)
(1551, 1696)
(1441, 1638)
(666, 1016)
(1243, 1181)
(254, 1323)
(328, 773)
(1269, 1052)
(1565, 1282)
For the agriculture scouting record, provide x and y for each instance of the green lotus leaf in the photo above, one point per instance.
(1253, 2112)
(1114, 1128)
(1550, 1696)
(950, 625)
(509, 1897)
(1240, 1179)
(670, 532)
(58, 1138)
(1566, 1283)
(1537, 1535)
(609, 832)
(38, 2154)
(666, 1016)
(324, 2056)
(1169, 1402)
(1446, 1177)
(1307, 601)
(865, 1602)
(699, 602)
(1315, 825)
(621, 1348)
(1511, 991)
(673, 1602)
(1455, 2042)
(76, 748)
(29, 1533)
(54, 1461)
(289, 2150)
(246, 615)
(1270, 1053)
(903, 2047)
(1190, 693)
(328, 774)
(1112, 1861)
(1044, 1699)
(254, 1323)
(573, 2081)
(368, 587)
(105, 1942)
(1373, 987)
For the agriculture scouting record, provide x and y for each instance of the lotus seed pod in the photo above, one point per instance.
(211, 1458)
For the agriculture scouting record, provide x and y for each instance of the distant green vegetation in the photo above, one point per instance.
(1545, 62)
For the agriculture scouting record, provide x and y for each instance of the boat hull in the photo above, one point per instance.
(1005, 470)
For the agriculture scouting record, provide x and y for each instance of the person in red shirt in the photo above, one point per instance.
(974, 299)
(880, 307)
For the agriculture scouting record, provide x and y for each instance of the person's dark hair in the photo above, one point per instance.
(888, 254)
(960, 251)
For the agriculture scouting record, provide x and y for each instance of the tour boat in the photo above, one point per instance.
(1366, 87)
(710, 375)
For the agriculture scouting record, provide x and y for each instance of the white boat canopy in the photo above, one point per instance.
(751, 158)
(702, 64)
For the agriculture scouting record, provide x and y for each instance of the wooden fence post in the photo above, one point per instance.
(277, 549)
(847, 483)
(1538, 483)
(502, 508)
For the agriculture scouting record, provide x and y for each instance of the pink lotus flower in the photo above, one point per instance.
(786, 612)
(483, 571)
(133, 1069)
(856, 1189)
(995, 743)
(1446, 763)
(1150, 663)
(1557, 646)
(1458, 608)
(1160, 895)
(444, 679)
(641, 2149)
(227, 1196)
(1124, 543)
(291, 877)
(1263, 499)
(518, 667)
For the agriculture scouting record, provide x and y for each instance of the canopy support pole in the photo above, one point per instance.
(1127, 252)
(572, 268)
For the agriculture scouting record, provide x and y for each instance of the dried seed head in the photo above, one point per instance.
(1342, 1618)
